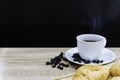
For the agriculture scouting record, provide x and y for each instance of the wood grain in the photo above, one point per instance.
(29, 63)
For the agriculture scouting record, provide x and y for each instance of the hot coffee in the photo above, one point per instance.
(90, 40)
(90, 46)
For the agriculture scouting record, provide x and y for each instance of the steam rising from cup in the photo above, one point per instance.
(99, 12)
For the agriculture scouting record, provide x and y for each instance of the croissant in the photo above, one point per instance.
(115, 70)
(92, 72)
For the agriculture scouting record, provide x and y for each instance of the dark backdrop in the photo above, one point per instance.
(55, 23)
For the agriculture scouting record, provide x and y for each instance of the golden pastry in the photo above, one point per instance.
(115, 70)
(92, 72)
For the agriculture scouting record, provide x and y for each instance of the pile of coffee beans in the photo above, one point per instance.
(76, 57)
(58, 62)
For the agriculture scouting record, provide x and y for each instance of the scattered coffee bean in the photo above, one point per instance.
(52, 61)
(87, 61)
(98, 61)
(76, 57)
(58, 61)
(53, 66)
(61, 64)
(61, 55)
(101, 61)
(66, 65)
(94, 61)
(57, 58)
(64, 59)
(58, 67)
(47, 63)
(61, 68)
(79, 61)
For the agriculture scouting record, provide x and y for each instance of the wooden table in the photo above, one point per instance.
(29, 63)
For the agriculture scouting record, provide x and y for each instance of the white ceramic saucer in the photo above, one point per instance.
(107, 56)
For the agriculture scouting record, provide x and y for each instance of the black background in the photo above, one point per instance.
(50, 23)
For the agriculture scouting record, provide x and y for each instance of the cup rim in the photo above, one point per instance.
(81, 35)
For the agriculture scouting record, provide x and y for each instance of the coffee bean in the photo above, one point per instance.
(79, 61)
(61, 64)
(87, 61)
(98, 61)
(47, 63)
(64, 59)
(101, 61)
(53, 66)
(94, 61)
(61, 55)
(58, 67)
(61, 68)
(57, 58)
(66, 65)
(76, 55)
(74, 59)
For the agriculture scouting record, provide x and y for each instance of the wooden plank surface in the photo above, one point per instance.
(29, 63)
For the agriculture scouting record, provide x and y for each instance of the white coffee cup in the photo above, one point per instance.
(90, 46)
